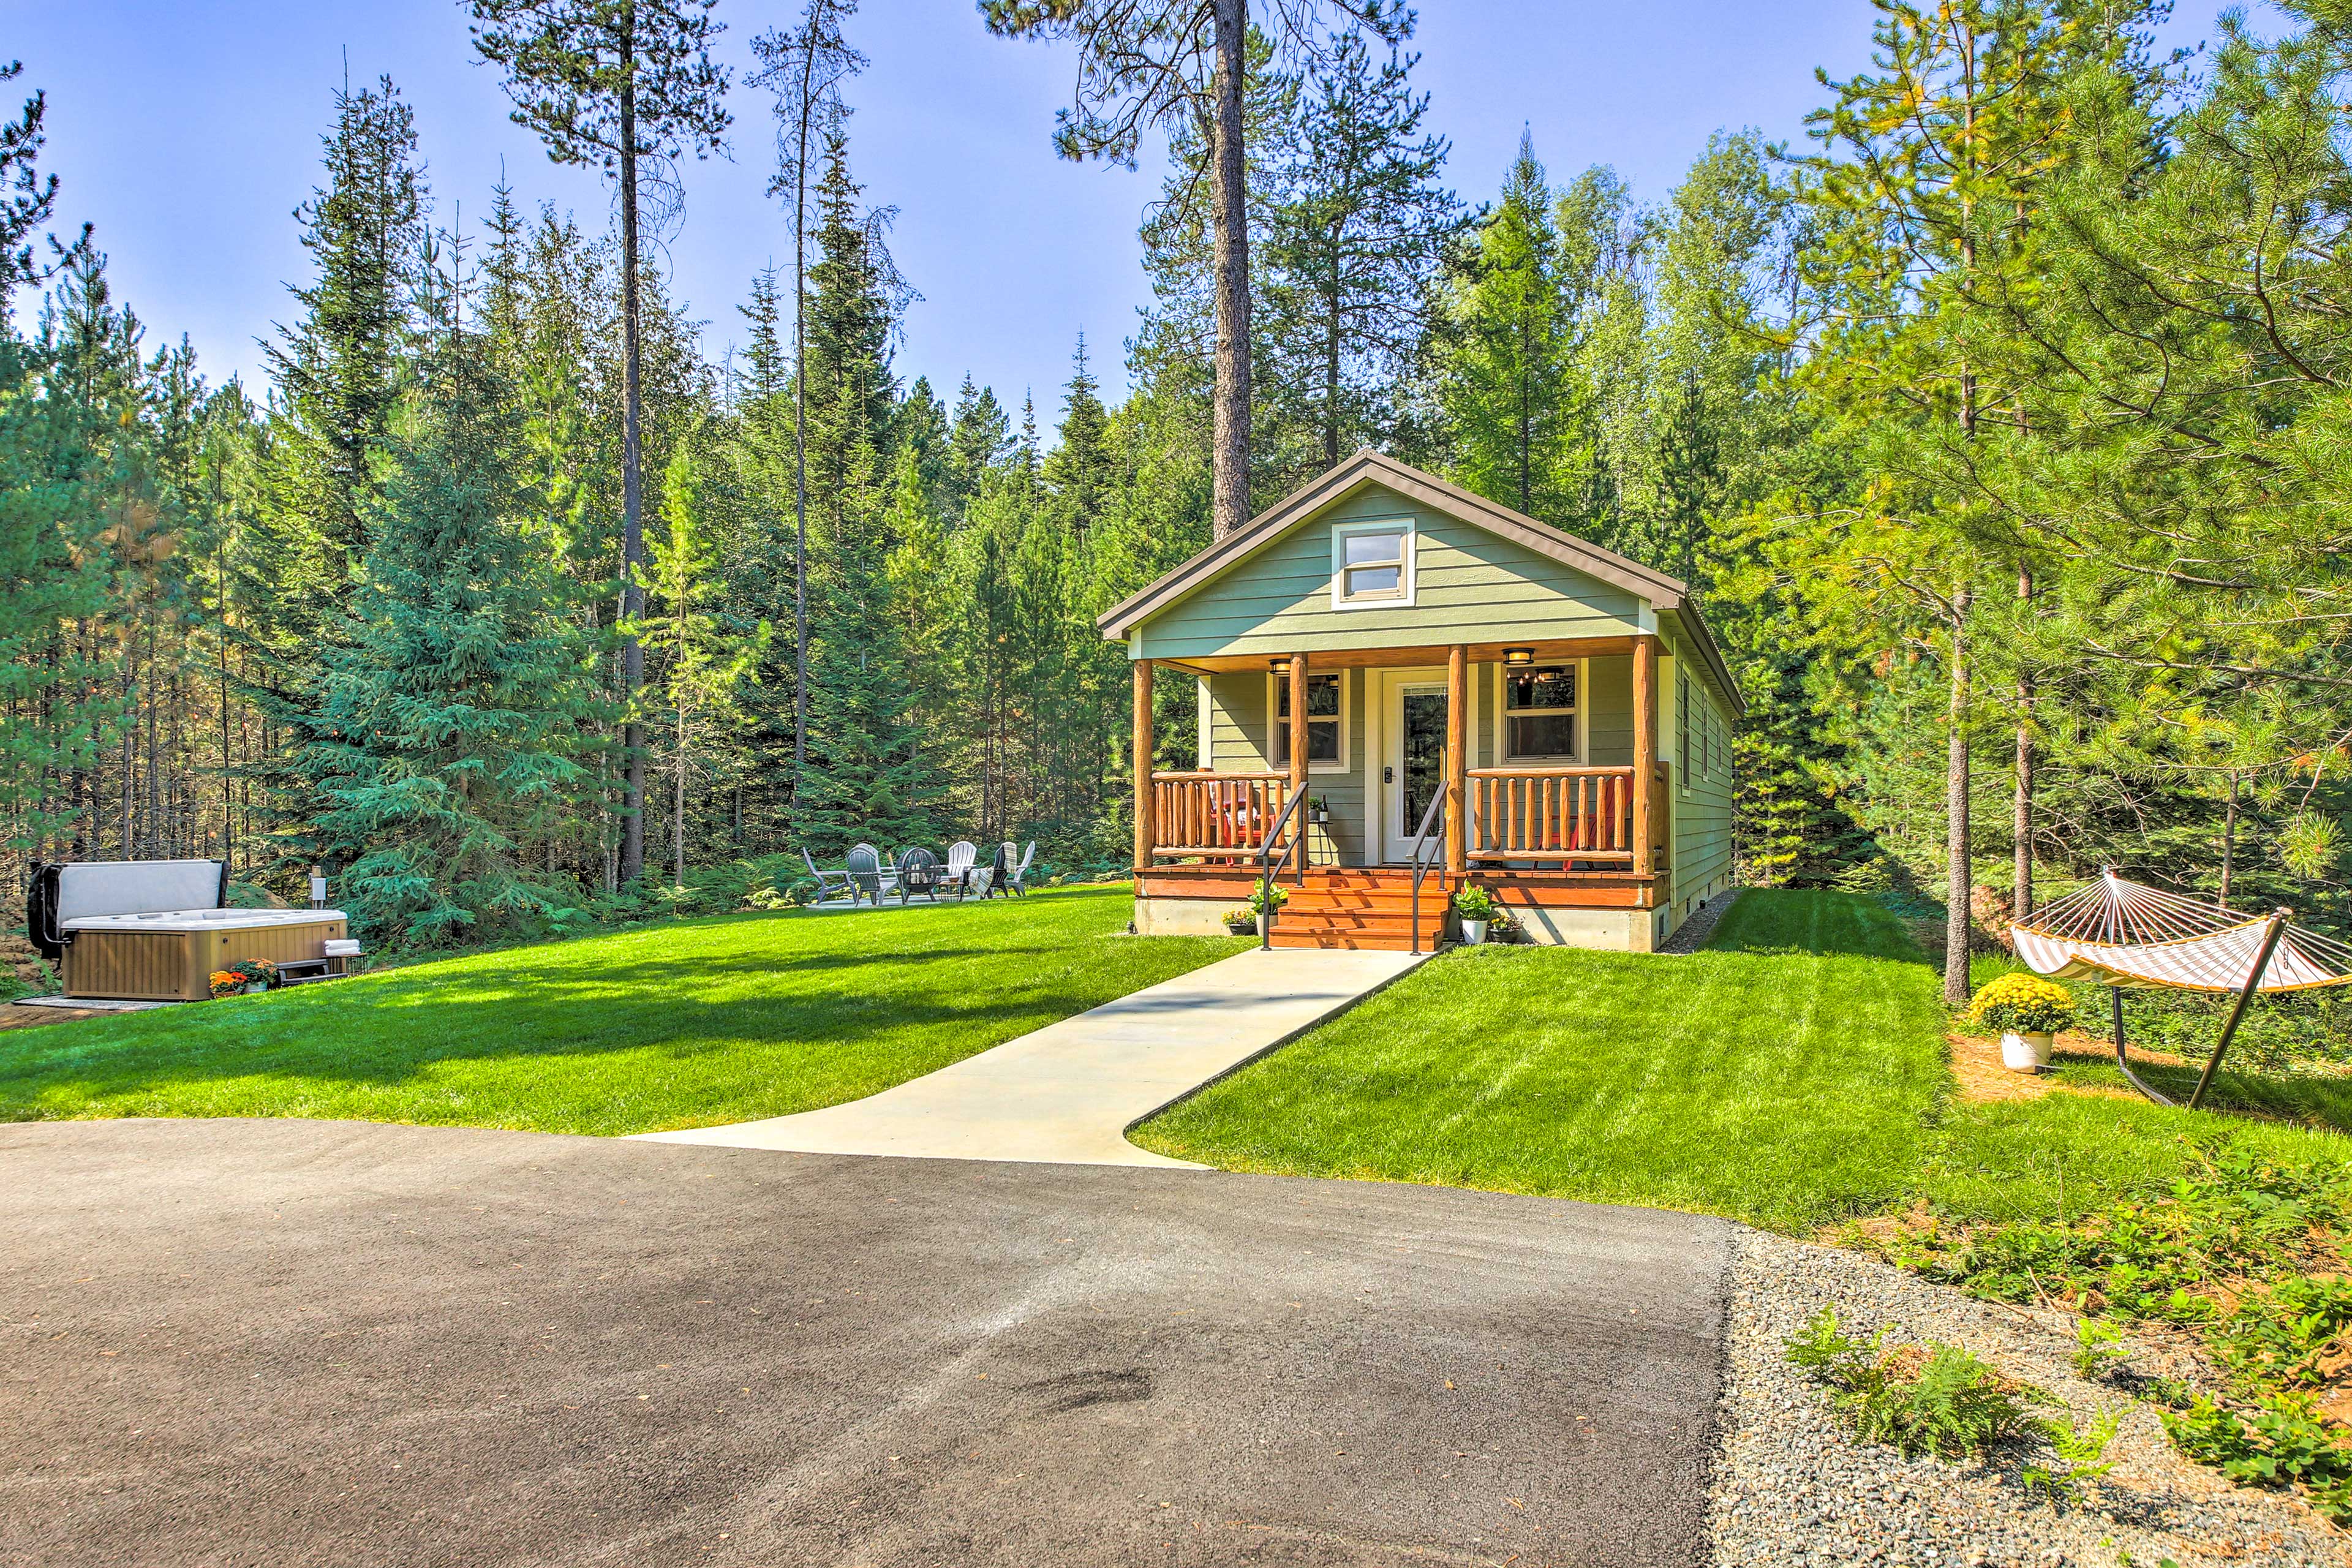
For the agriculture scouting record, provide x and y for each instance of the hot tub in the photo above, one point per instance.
(126, 928)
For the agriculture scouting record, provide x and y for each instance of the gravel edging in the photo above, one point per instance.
(1788, 1486)
(1692, 935)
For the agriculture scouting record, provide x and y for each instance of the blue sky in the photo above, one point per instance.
(187, 132)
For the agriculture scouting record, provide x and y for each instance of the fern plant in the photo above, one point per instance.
(1931, 1399)
(2082, 1454)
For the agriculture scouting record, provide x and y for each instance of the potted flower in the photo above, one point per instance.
(1268, 898)
(1319, 810)
(1241, 921)
(1477, 908)
(2027, 1010)
(247, 976)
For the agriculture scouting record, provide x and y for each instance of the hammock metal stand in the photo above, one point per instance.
(2127, 935)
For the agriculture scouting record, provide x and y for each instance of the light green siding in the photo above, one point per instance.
(1609, 713)
(1700, 795)
(1469, 586)
(1240, 741)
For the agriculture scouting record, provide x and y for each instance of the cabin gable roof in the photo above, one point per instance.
(1197, 578)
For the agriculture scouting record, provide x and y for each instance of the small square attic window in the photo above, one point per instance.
(1371, 563)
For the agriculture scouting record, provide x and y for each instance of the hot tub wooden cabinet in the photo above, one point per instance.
(171, 957)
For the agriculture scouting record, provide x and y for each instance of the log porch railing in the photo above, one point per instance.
(1210, 814)
(1534, 813)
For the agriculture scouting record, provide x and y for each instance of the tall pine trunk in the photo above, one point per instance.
(1230, 476)
(800, 447)
(633, 538)
(2021, 902)
(1956, 812)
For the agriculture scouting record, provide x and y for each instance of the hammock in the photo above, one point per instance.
(2124, 935)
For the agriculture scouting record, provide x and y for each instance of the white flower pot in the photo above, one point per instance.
(2024, 1053)
(1474, 933)
(1264, 923)
(256, 988)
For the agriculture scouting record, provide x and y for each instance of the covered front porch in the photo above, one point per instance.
(1355, 774)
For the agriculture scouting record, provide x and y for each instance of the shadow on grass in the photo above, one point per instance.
(1782, 921)
(755, 1001)
(2302, 1100)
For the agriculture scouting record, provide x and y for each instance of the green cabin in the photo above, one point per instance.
(1404, 689)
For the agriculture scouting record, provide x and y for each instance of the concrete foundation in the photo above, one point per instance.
(1182, 917)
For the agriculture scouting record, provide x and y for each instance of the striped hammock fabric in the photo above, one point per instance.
(2120, 933)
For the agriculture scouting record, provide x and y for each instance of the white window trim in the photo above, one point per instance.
(1502, 737)
(1678, 687)
(1343, 532)
(1274, 721)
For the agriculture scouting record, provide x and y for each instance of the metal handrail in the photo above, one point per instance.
(1265, 863)
(1420, 868)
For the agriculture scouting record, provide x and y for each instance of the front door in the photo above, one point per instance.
(1413, 772)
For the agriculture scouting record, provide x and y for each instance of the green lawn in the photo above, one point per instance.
(684, 1025)
(1791, 1075)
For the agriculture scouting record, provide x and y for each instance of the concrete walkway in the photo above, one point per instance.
(1067, 1093)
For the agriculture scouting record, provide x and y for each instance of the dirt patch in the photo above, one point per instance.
(14, 1017)
(1975, 1067)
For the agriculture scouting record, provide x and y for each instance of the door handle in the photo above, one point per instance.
(1387, 775)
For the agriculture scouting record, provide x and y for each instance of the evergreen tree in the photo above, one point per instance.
(609, 85)
(454, 701)
(980, 436)
(338, 370)
(867, 778)
(1355, 241)
(704, 661)
(1503, 379)
(29, 200)
(1077, 471)
(806, 68)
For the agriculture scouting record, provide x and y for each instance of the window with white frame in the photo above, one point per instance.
(1371, 563)
(1326, 724)
(1684, 765)
(1541, 703)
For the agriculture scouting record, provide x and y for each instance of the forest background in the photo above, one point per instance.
(2001, 425)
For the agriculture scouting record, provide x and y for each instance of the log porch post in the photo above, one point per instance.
(1645, 751)
(1457, 760)
(1141, 741)
(1298, 722)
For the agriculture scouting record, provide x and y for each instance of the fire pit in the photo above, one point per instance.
(156, 929)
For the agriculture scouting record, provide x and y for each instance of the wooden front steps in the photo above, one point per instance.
(1362, 909)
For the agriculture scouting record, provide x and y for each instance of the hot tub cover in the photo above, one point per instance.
(65, 892)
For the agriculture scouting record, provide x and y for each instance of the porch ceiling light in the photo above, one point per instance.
(1280, 666)
(1518, 656)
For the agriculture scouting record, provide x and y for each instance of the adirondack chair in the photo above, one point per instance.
(918, 872)
(960, 856)
(830, 884)
(1014, 878)
(864, 864)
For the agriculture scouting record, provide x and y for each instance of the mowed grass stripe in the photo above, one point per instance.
(683, 1024)
(1787, 1075)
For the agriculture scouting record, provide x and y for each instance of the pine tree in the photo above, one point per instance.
(866, 778)
(980, 436)
(609, 85)
(704, 661)
(337, 369)
(1077, 471)
(1184, 67)
(453, 703)
(1353, 249)
(806, 68)
(1503, 381)
(29, 200)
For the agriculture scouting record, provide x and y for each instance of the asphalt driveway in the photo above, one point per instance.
(232, 1343)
